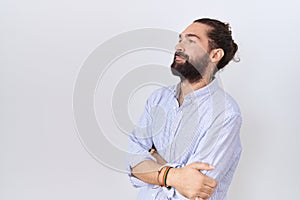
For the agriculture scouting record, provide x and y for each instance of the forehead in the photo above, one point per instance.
(198, 29)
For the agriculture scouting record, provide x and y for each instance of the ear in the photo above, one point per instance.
(216, 55)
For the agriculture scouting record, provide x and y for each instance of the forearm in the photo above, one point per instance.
(159, 159)
(147, 171)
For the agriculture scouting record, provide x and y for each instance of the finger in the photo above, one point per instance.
(210, 182)
(197, 198)
(203, 195)
(201, 166)
(207, 189)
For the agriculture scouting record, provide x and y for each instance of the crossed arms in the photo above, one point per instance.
(188, 180)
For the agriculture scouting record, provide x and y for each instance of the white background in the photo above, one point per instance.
(43, 45)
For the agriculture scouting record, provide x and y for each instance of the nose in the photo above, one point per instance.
(179, 47)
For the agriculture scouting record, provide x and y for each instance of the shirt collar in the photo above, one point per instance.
(206, 90)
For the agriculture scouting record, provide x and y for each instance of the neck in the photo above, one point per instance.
(186, 87)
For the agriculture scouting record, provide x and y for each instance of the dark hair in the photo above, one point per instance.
(220, 37)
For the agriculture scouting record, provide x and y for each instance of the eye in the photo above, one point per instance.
(191, 41)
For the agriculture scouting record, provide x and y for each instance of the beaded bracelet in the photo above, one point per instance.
(159, 171)
(165, 177)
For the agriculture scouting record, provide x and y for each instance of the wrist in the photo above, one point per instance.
(172, 177)
(160, 176)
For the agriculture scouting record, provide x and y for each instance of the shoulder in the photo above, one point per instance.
(232, 106)
(224, 104)
(161, 94)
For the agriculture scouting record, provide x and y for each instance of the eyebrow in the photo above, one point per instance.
(190, 35)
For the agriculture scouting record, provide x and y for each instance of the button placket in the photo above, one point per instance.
(174, 128)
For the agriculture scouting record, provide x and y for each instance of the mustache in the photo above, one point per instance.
(181, 54)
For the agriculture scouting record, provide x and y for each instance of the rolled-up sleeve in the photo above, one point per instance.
(222, 150)
(140, 141)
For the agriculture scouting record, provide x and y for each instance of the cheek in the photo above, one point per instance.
(195, 52)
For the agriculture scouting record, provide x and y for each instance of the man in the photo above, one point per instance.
(187, 145)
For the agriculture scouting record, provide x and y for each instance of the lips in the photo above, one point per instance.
(179, 58)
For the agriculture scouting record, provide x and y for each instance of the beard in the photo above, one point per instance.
(188, 71)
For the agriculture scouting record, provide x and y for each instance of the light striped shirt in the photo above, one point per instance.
(205, 128)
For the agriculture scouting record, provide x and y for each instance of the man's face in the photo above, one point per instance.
(191, 58)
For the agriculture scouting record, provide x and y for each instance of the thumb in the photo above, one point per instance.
(201, 166)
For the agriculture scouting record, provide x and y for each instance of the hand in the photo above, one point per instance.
(190, 182)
